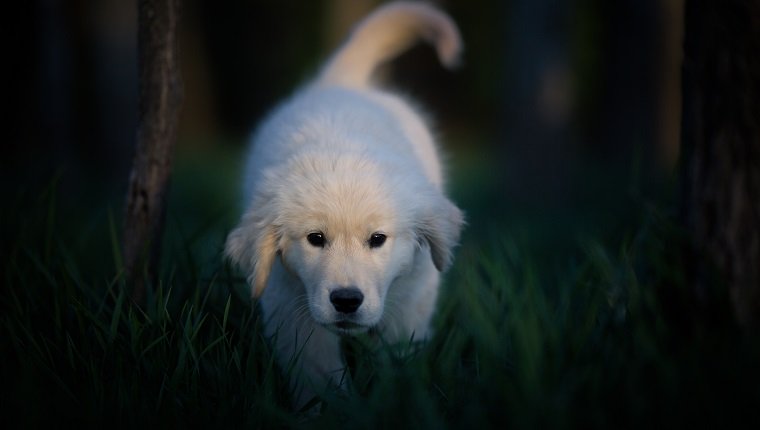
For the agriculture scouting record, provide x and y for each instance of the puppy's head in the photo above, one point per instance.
(345, 228)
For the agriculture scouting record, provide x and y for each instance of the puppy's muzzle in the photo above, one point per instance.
(346, 300)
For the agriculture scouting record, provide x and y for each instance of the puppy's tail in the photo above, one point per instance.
(386, 33)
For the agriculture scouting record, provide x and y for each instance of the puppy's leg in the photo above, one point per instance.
(307, 353)
(319, 367)
(310, 356)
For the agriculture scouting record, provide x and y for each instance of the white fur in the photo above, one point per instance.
(348, 160)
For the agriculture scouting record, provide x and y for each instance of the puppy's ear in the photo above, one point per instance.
(440, 227)
(253, 247)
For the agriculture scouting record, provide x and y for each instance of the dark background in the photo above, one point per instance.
(561, 108)
(571, 301)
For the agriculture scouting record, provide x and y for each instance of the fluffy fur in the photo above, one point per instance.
(347, 160)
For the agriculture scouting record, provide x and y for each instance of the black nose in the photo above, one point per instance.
(346, 300)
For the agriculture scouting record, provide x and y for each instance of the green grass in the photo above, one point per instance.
(605, 336)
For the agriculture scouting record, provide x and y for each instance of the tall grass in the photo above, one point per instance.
(609, 338)
(76, 350)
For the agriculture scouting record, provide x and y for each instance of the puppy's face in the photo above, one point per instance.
(346, 241)
(347, 265)
(346, 229)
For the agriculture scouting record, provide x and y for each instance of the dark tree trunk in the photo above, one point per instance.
(160, 99)
(721, 145)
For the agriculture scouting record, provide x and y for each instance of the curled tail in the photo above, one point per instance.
(386, 33)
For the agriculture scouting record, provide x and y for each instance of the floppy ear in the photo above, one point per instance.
(440, 227)
(253, 247)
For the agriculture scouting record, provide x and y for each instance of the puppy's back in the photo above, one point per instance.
(339, 99)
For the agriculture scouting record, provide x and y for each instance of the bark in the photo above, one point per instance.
(668, 127)
(721, 146)
(160, 93)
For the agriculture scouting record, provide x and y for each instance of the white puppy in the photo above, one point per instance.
(346, 226)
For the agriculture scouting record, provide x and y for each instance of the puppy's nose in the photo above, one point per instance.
(346, 300)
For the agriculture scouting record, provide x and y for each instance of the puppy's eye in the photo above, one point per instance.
(316, 239)
(376, 240)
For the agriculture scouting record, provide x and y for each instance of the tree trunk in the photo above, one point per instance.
(721, 145)
(160, 95)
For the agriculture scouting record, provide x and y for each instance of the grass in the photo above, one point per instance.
(605, 336)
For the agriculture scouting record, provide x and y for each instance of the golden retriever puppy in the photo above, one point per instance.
(346, 226)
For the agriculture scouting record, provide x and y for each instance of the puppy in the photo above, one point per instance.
(346, 227)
